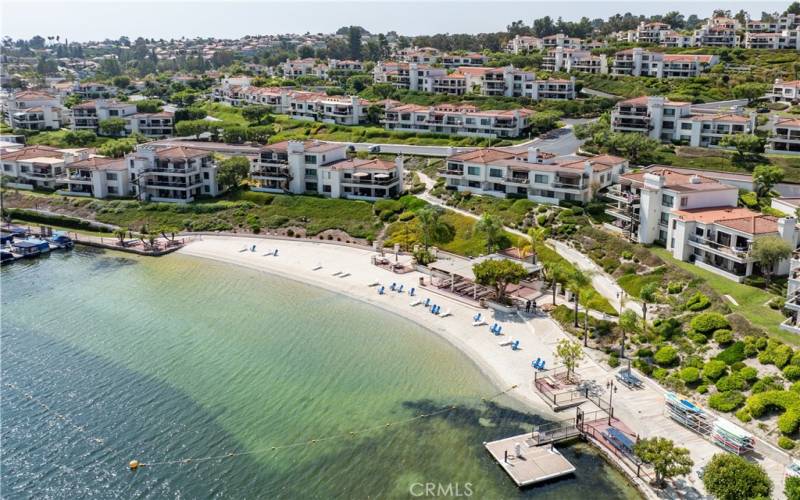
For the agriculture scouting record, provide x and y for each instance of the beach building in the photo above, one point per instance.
(785, 136)
(673, 39)
(651, 32)
(792, 304)
(522, 44)
(97, 177)
(293, 68)
(531, 173)
(452, 119)
(717, 32)
(781, 40)
(666, 120)
(640, 62)
(785, 22)
(172, 174)
(152, 125)
(33, 167)
(35, 110)
(323, 168)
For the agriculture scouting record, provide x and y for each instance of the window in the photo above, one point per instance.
(667, 200)
(496, 172)
(664, 220)
(311, 159)
(112, 190)
(111, 176)
(540, 179)
(205, 175)
(206, 189)
(311, 172)
(686, 126)
(326, 188)
(473, 170)
(684, 201)
(7, 168)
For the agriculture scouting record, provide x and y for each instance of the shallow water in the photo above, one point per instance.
(178, 357)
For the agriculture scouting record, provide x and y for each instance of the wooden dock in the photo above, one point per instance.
(533, 465)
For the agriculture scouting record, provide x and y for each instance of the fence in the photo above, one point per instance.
(633, 464)
(559, 390)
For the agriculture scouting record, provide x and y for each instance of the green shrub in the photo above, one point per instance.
(724, 337)
(709, 322)
(690, 374)
(694, 361)
(776, 353)
(748, 373)
(726, 401)
(737, 366)
(744, 415)
(627, 255)
(666, 356)
(613, 361)
(697, 338)
(714, 369)
(732, 354)
(791, 372)
(660, 374)
(702, 389)
(785, 443)
(698, 302)
(789, 401)
(668, 328)
(765, 384)
(731, 383)
(674, 287)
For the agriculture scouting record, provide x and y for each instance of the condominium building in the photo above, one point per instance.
(502, 82)
(640, 62)
(673, 39)
(561, 59)
(96, 177)
(323, 168)
(469, 59)
(419, 55)
(792, 304)
(429, 55)
(785, 136)
(721, 239)
(172, 174)
(88, 115)
(465, 120)
(717, 32)
(651, 32)
(521, 44)
(785, 91)
(786, 39)
(299, 105)
(785, 22)
(93, 90)
(152, 125)
(531, 173)
(321, 69)
(35, 167)
(561, 40)
(35, 110)
(642, 202)
(666, 120)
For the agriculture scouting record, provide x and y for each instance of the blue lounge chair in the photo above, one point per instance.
(381, 290)
(275, 253)
(435, 309)
(541, 365)
(411, 292)
(515, 345)
(427, 302)
(498, 330)
(392, 286)
(477, 317)
(493, 327)
(535, 364)
(253, 248)
(400, 289)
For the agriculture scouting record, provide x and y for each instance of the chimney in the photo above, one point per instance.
(695, 179)
(533, 155)
(587, 168)
(786, 229)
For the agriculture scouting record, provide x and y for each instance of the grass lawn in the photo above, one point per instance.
(752, 301)
(23, 222)
(511, 212)
(225, 113)
(723, 161)
(55, 138)
(633, 283)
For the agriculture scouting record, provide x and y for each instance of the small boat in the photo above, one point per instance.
(61, 240)
(30, 247)
(7, 257)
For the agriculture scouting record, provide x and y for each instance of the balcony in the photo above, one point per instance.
(626, 215)
(740, 254)
(85, 179)
(518, 179)
(371, 182)
(271, 172)
(615, 193)
(445, 171)
(559, 184)
(173, 185)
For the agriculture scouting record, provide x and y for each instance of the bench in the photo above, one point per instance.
(629, 379)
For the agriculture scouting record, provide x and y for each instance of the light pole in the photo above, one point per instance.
(586, 329)
(612, 388)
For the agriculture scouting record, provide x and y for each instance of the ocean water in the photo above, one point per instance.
(107, 357)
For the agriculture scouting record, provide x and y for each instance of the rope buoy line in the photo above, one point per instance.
(135, 464)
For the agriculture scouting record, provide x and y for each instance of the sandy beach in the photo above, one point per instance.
(348, 270)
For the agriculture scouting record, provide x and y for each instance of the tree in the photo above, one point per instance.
(570, 353)
(556, 272)
(764, 179)
(498, 273)
(121, 81)
(648, 293)
(149, 106)
(794, 8)
(749, 91)
(791, 487)
(668, 460)
(491, 227)
(232, 171)
(256, 114)
(117, 148)
(577, 282)
(768, 251)
(354, 42)
(745, 144)
(431, 226)
(731, 477)
(168, 231)
(627, 324)
(120, 233)
(537, 235)
(112, 126)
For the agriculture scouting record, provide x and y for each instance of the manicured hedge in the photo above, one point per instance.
(709, 322)
(789, 401)
(733, 353)
(666, 356)
(55, 220)
(714, 369)
(726, 401)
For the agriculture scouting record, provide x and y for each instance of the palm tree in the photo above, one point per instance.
(537, 235)
(492, 228)
(556, 272)
(627, 324)
(432, 227)
(577, 281)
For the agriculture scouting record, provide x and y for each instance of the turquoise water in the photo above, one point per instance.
(178, 357)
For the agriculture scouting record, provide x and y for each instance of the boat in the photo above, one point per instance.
(7, 257)
(61, 240)
(30, 247)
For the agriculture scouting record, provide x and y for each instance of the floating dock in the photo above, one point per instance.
(534, 464)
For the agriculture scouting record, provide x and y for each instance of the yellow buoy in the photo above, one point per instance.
(134, 464)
